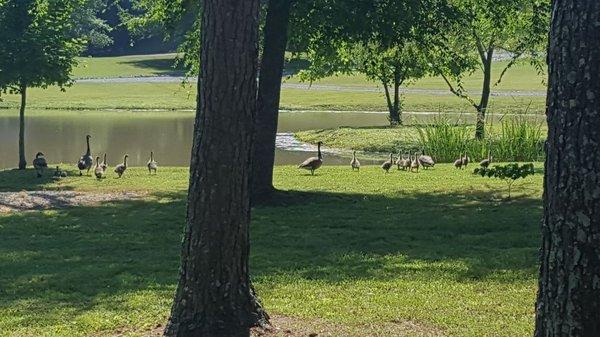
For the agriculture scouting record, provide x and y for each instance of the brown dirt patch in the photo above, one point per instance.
(295, 327)
(40, 200)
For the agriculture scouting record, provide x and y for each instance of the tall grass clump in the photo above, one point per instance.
(516, 139)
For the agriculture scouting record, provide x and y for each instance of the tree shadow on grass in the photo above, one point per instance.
(74, 256)
(26, 180)
(159, 66)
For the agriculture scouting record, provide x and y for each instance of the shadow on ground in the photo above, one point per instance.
(72, 256)
(159, 66)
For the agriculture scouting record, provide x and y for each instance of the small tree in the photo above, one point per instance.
(509, 173)
(385, 41)
(37, 49)
(480, 30)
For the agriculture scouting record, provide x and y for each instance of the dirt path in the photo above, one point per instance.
(40, 200)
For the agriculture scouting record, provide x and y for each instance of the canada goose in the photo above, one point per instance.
(355, 163)
(98, 171)
(59, 174)
(388, 164)
(458, 163)
(426, 161)
(152, 165)
(414, 164)
(104, 164)
(120, 169)
(86, 161)
(486, 162)
(406, 162)
(313, 163)
(465, 160)
(399, 161)
(40, 164)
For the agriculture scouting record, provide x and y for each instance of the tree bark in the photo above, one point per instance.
(214, 297)
(22, 160)
(271, 71)
(485, 94)
(394, 116)
(568, 301)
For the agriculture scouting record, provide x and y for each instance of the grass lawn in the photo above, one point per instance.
(127, 66)
(440, 249)
(172, 96)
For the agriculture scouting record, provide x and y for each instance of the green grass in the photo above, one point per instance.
(172, 96)
(441, 248)
(127, 66)
(511, 139)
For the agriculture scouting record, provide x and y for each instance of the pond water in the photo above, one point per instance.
(60, 135)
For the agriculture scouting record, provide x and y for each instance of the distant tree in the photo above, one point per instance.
(214, 296)
(385, 40)
(568, 301)
(37, 49)
(482, 29)
(89, 26)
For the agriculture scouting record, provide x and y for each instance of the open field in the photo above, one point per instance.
(440, 251)
(172, 96)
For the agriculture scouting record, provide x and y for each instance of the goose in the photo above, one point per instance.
(458, 163)
(486, 162)
(40, 164)
(426, 161)
(355, 163)
(406, 162)
(313, 163)
(59, 174)
(152, 165)
(120, 169)
(465, 160)
(414, 164)
(98, 171)
(399, 161)
(388, 164)
(104, 165)
(86, 161)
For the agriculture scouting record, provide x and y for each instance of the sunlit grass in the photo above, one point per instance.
(441, 247)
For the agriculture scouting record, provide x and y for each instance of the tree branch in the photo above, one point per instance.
(510, 64)
(458, 92)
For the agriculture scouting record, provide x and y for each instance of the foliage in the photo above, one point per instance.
(89, 26)
(482, 29)
(518, 138)
(179, 20)
(36, 43)
(509, 172)
(384, 40)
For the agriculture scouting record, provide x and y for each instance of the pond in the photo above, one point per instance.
(60, 135)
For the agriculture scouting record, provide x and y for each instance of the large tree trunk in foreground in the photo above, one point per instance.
(214, 296)
(22, 160)
(568, 302)
(271, 71)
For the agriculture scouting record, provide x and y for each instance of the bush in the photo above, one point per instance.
(509, 173)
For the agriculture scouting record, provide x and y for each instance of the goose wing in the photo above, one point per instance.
(310, 162)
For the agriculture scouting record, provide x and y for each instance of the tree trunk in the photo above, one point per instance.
(485, 95)
(214, 296)
(271, 71)
(394, 115)
(397, 109)
(22, 160)
(568, 302)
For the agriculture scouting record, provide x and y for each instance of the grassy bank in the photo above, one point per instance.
(440, 249)
(512, 139)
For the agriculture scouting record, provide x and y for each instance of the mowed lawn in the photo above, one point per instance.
(173, 96)
(442, 249)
